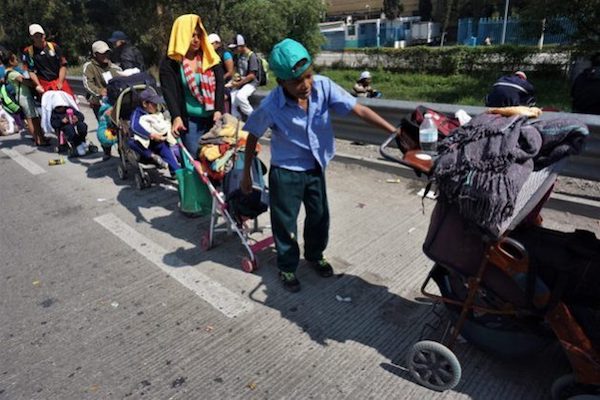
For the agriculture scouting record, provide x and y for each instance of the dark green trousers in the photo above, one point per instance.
(288, 190)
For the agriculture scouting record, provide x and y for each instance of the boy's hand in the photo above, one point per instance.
(246, 183)
(158, 137)
(75, 119)
(39, 89)
(177, 127)
(65, 120)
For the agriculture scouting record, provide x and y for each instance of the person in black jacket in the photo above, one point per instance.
(191, 79)
(585, 91)
(70, 121)
(124, 54)
(511, 90)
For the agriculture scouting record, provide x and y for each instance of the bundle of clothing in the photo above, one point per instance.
(483, 165)
(219, 145)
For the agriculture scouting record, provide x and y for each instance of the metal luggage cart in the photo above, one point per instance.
(223, 220)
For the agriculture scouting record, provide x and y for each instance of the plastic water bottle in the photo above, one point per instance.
(70, 115)
(428, 135)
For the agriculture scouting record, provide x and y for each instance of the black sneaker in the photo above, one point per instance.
(322, 267)
(290, 282)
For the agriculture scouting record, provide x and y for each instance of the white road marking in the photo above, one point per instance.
(24, 162)
(224, 300)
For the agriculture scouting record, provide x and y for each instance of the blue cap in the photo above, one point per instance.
(117, 35)
(284, 57)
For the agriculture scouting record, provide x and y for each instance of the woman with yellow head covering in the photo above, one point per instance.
(191, 77)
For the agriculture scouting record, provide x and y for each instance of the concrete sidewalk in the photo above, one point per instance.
(104, 295)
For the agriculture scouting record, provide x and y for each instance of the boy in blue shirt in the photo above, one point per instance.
(302, 144)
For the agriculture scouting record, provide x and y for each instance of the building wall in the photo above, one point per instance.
(357, 7)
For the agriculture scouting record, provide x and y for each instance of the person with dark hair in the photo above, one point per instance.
(21, 87)
(124, 54)
(585, 91)
(511, 90)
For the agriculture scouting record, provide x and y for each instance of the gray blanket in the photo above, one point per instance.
(483, 165)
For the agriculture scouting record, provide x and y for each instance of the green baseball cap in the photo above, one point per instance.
(284, 57)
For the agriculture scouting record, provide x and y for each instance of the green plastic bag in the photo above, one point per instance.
(194, 196)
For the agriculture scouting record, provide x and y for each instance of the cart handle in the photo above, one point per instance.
(383, 150)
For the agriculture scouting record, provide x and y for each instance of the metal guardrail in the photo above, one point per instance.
(585, 165)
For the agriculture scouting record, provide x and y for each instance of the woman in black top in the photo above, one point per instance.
(191, 78)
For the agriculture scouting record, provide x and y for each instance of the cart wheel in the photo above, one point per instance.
(139, 182)
(433, 365)
(122, 172)
(249, 265)
(205, 242)
(567, 388)
(147, 181)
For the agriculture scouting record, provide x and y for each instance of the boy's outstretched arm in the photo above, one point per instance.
(370, 116)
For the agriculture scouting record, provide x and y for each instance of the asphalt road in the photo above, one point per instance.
(105, 294)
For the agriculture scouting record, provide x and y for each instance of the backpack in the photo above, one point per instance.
(29, 49)
(409, 127)
(9, 96)
(246, 205)
(263, 70)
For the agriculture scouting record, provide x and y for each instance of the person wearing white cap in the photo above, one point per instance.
(96, 74)
(363, 88)
(45, 61)
(225, 55)
(246, 82)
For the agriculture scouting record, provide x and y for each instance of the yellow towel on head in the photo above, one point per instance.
(181, 36)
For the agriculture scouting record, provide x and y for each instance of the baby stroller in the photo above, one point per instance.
(239, 212)
(124, 106)
(50, 100)
(502, 298)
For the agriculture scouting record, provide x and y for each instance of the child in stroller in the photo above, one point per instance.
(71, 122)
(60, 113)
(151, 133)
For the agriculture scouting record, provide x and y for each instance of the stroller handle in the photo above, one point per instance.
(385, 153)
(409, 159)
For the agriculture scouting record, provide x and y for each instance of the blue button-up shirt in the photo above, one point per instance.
(301, 140)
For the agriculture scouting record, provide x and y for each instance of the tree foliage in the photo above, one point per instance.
(392, 8)
(583, 13)
(76, 24)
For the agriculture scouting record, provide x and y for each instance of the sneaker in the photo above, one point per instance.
(81, 150)
(290, 282)
(322, 267)
(159, 161)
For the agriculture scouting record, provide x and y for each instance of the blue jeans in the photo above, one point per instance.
(160, 148)
(196, 128)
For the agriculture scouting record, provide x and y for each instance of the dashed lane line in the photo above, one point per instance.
(221, 298)
(24, 162)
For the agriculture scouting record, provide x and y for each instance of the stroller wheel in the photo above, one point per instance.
(147, 181)
(92, 148)
(139, 182)
(122, 172)
(249, 265)
(205, 243)
(433, 365)
(567, 388)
